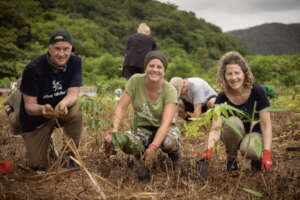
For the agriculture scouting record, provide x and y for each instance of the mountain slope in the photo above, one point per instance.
(103, 26)
(273, 38)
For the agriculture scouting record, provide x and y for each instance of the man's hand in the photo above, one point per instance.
(48, 111)
(182, 114)
(61, 109)
(266, 161)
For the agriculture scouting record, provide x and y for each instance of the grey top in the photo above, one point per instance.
(198, 92)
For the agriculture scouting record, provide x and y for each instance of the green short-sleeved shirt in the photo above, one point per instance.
(148, 113)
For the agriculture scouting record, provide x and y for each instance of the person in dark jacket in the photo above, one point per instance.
(137, 46)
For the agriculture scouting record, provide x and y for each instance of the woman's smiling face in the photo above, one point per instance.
(234, 76)
(155, 70)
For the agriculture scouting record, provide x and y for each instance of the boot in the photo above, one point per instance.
(232, 165)
(142, 171)
(176, 161)
(255, 165)
(68, 162)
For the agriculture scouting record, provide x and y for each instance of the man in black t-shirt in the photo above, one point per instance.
(137, 46)
(50, 87)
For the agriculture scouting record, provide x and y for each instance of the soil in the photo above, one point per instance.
(116, 178)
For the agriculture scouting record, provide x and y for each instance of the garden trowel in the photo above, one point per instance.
(202, 167)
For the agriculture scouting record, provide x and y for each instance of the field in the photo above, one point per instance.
(115, 177)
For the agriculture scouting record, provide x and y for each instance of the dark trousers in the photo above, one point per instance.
(189, 107)
(128, 71)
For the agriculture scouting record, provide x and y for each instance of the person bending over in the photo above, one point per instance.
(195, 96)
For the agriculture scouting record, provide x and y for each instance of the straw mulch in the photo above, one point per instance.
(115, 178)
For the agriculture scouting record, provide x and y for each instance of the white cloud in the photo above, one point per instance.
(239, 14)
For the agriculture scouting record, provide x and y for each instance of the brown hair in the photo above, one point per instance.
(233, 57)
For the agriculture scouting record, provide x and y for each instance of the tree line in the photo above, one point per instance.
(100, 29)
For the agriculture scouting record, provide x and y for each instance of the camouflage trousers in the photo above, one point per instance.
(146, 135)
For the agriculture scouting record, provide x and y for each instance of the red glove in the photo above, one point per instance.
(5, 167)
(266, 161)
(206, 155)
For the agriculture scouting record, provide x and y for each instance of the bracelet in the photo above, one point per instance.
(153, 146)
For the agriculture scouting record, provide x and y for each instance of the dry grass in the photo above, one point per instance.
(115, 178)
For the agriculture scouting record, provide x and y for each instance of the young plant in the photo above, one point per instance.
(91, 108)
(127, 145)
(220, 110)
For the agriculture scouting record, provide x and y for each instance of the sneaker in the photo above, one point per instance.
(14, 133)
(71, 164)
(255, 165)
(232, 165)
(40, 172)
(176, 161)
(53, 154)
(142, 171)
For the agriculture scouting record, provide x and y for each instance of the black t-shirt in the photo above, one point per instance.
(258, 94)
(49, 87)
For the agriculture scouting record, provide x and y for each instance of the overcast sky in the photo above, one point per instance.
(240, 14)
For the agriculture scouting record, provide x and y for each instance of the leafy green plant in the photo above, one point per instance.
(223, 110)
(91, 108)
(193, 128)
(127, 145)
(199, 126)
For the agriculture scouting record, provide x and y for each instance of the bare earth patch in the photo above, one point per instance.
(115, 178)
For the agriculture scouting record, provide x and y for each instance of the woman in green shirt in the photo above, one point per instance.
(154, 102)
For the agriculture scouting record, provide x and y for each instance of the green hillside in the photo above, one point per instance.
(273, 38)
(100, 29)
